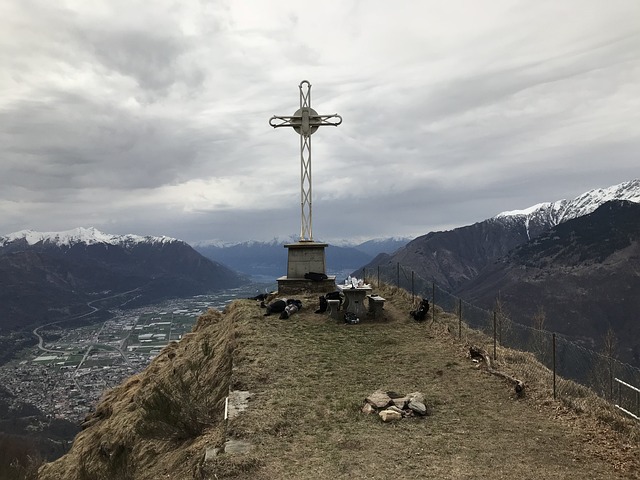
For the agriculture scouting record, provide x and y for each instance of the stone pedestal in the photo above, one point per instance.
(305, 257)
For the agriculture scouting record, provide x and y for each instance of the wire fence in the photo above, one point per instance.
(571, 367)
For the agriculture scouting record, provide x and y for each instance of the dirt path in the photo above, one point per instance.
(310, 376)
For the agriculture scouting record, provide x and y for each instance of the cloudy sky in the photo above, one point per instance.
(151, 117)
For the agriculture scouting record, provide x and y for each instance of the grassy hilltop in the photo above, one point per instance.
(308, 377)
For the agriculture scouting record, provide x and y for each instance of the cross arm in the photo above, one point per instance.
(314, 120)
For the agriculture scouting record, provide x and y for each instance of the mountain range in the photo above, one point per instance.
(577, 259)
(454, 257)
(52, 275)
(47, 276)
(584, 272)
(268, 260)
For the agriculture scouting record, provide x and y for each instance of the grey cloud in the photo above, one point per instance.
(73, 141)
(113, 106)
(154, 58)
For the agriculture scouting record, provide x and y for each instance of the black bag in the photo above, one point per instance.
(420, 315)
(315, 277)
(277, 306)
(323, 305)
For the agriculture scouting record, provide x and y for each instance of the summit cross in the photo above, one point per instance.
(305, 121)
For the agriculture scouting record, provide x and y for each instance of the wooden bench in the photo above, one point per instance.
(376, 305)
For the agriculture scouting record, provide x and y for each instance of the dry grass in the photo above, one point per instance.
(310, 376)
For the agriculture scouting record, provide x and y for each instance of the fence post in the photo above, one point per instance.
(364, 275)
(459, 319)
(610, 377)
(620, 394)
(554, 364)
(378, 276)
(494, 335)
(433, 300)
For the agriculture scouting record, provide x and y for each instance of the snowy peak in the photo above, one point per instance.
(88, 236)
(588, 202)
(563, 210)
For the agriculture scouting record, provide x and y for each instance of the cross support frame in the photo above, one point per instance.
(305, 121)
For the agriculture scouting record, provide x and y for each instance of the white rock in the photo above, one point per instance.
(390, 415)
(368, 408)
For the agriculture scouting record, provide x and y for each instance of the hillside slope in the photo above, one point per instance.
(585, 273)
(308, 377)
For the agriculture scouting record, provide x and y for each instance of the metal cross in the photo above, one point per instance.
(305, 121)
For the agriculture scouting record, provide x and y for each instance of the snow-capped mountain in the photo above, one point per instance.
(88, 236)
(584, 272)
(45, 276)
(542, 216)
(455, 257)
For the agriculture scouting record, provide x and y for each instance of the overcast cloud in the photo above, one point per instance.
(152, 117)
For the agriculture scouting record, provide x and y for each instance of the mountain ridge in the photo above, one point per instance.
(583, 272)
(88, 236)
(47, 276)
(454, 257)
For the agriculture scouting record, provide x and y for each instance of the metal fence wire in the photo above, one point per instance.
(574, 366)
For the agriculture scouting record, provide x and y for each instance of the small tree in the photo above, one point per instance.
(602, 372)
(502, 317)
(539, 336)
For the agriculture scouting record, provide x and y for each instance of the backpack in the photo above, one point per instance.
(351, 318)
(323, 305)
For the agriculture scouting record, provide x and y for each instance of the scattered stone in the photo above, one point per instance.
(379, 399)
(418, 407)
(211, 453)
(416, 397)
(393, 406)
(238, 402)
(393, 394)
(368, 408)
(396, 409)
(390, 415)
(236, 446)
(401, 402)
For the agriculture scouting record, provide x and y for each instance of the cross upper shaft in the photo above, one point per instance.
(305, 121)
